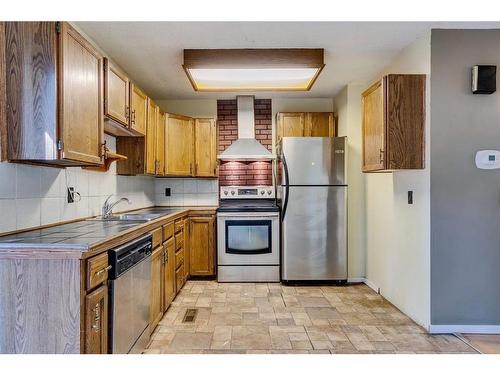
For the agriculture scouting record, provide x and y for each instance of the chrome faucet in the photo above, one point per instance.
(107, 207)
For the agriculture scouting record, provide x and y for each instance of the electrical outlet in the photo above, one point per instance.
(71, 194)
(167, 192)
(410, 197)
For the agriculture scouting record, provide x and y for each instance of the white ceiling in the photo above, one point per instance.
(152, 52)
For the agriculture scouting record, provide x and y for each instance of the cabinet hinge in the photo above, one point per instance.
(60, 145)
(58, 27)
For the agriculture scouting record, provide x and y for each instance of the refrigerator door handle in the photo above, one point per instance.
(287, 188)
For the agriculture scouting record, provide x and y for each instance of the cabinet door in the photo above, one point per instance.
(201, 250)
(156, 308)
(169, 273)
(186, 249)
(116, 94)
(179, 145)
(405, 121)
(373, 128)
(291, 124)
(205, 147)
(138, 110)
(30, 95)
(81, 98)
(96, 321)
(320, 124)
(179, 278)
(160, 143)
(151, 163)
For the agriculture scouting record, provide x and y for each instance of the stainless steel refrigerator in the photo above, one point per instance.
(312, 192)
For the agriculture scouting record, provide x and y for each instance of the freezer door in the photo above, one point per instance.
(314, 231)
(313, 161)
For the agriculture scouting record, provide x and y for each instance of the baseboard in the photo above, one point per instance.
(371, 285)
(485, 329)
(356, 279)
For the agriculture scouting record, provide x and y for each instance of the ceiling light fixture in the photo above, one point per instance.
(290, 69)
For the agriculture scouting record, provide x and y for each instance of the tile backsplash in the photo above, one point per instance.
(186, 192)
(31, 196)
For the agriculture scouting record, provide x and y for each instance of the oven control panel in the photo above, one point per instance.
(250, 192)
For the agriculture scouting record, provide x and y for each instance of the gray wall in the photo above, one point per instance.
(465, 201)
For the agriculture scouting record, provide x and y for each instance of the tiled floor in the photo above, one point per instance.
(273, 318)
(487, 344)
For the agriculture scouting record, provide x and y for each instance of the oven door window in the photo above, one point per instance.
(248, 237)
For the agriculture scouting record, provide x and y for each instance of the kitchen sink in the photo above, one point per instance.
(135, 217)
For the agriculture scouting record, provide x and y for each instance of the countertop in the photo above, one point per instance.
(86, 235)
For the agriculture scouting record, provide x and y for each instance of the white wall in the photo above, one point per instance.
(187, 192)
(398, 234)
(348, 109)
(31, 196)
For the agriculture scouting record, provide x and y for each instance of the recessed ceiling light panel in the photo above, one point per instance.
(253, 69)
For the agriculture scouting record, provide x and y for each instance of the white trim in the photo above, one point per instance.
(486, 329)
(371, 285)
(356, 280)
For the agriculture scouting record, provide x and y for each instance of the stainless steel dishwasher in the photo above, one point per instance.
(130, 283)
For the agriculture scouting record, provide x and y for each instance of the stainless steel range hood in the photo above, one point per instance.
(246, 147)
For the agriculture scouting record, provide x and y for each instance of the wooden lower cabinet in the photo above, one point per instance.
(202, 246)
(96, 321)
(156, 308)
(169, 289)
(186, 248)
(179, 278)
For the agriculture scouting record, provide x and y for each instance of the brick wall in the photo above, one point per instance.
(244, 173)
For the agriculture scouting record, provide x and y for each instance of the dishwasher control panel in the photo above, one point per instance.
(126, 256)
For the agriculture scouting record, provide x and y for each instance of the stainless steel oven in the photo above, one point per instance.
(248, 240)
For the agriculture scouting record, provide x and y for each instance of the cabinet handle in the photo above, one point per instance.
(381, 155)
(103, 270)
(127, 112)
(133, 117)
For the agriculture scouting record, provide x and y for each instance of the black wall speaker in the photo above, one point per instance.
(484, 79)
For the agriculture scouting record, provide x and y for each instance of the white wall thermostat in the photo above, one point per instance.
(488, 159)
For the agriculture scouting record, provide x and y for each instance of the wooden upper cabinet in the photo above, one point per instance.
(373, 127)
(116, 100)
(291, 124)
(116, 93)
(202, 247)
(394, 123)
(305, 124)
(160, 143)
(81, 97)
(53, 95)
(205, 147)
(320, 124)
(179, 145)
(138, 110)
(150, 148)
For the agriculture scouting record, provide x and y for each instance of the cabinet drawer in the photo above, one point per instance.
(179, 240)
(179, 258)
(179, 224)
(179, 278)
(168, 231)
(97, 270)
(157, 237)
